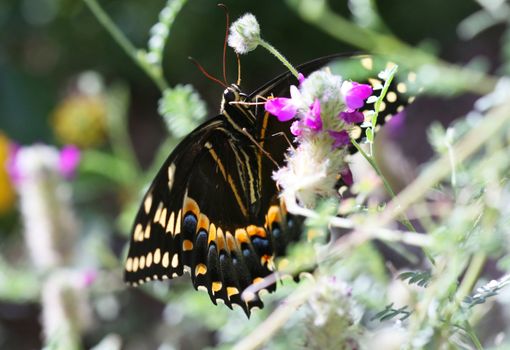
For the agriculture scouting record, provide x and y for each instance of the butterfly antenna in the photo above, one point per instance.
(204, 72)
(227, 18)
(238, 70)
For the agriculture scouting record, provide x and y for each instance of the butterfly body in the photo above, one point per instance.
(213, 208)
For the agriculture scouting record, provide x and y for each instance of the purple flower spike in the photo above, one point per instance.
(340, 138)
(346, 176)
(353, 117)
(355, 94)
(313, 116)
(69, 160)
(281, 107)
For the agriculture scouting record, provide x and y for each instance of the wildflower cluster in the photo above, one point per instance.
(325, 110)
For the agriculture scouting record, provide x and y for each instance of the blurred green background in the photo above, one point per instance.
(45, 46)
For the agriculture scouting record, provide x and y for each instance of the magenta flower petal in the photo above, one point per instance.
(313, 116)
(281, 107)
(346, 176)
(340, 138)
(357, 94)
(69, 160)
(352, 117)
(316, 108)
(301, 78)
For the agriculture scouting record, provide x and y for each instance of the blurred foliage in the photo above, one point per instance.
(63, 79)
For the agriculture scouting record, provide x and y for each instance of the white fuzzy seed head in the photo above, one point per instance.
(244, 34)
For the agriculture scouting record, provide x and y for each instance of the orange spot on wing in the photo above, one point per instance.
(256, 231)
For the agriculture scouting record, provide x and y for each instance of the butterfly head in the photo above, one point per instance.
(232, 94)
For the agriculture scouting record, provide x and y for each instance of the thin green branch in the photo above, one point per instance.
(472, 335)
(279, 56)
(125, 44)
(373, 164)
(471, 277)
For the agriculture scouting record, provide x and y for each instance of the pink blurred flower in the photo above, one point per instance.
(68, 161)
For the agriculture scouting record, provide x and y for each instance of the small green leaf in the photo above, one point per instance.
(182, 109)
(370, 135)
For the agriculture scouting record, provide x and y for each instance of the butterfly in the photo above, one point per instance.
(213, 209)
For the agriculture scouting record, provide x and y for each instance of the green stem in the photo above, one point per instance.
(471, 276)
(387, 186)
(125, 44)
(377, 105)
(279, 56)
(471, 332)
(451, 155)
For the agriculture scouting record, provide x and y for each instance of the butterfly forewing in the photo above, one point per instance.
(154, 251)
(213, 208)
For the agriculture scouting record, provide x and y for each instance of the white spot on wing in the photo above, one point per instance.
(138, 234)
(171, 173)
(175, 261)
(147, 232)
(170, 224)
(129, 264)
(147, 203)
(178, 224)
(157, 256)
(391, 96)
(367, 63)
(166, 260)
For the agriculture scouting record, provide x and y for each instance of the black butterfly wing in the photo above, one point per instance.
(227, 235)
(202, 215)
(154, 250)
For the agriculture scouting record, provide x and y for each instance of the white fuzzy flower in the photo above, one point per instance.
(50, 227)
(244, 34)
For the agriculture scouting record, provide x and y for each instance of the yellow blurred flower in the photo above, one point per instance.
(80, 120)
(7, 194)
